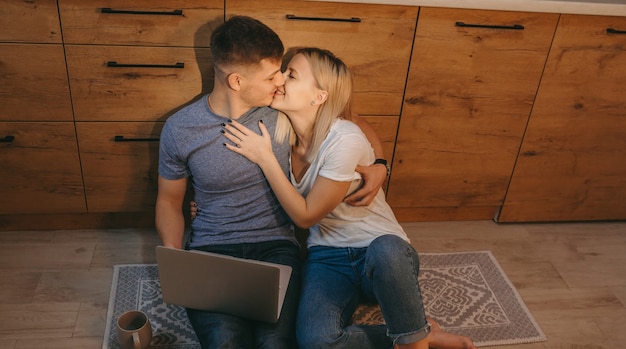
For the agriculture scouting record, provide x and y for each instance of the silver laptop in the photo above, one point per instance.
(208, 281)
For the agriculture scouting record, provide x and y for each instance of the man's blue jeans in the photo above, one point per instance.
(216, 330)
(336, 280)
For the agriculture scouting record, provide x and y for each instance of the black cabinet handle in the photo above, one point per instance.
(122, 139)
(510, 27)
(130, 12)
(327, 19)
(7, 139)
(615, 31)
(114, 64)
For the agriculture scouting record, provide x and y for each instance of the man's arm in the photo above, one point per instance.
(170, 222)
(373, 176)
(371, 135)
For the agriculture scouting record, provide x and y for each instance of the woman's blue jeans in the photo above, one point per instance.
(336, 280)
(221, 331)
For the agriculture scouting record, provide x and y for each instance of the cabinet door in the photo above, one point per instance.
(572, 164)
(35, 21)
(140, 22)
(470, 91)
(118, 83)
(386, 128)
(40, 168)
(120, 161)
(34, 83)
(373, 40)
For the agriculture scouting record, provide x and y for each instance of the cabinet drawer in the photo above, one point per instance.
(120, 161)
(40, 168)
(473, 79)
(376, 44)
(34, 83)
(35, 21)
(135, 83)
(140, 22)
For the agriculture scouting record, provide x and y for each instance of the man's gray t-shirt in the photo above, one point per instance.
(236, 201)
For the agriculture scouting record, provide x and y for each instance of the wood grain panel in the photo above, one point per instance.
(120, 176)
(34, 21)
(572, 164)
(34, 83)
(469, 95)
(103, 93)
(386, 129)
(40, 169)
(377, 49)
(150, 24)
(554, 267)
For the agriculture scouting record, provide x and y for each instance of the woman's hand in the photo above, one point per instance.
(257, 148)
(194, 210)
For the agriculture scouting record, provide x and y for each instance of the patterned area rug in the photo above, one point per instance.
(467, 293)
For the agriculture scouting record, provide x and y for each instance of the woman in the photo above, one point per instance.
(353, 252)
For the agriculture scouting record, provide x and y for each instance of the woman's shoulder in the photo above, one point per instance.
(346, 132)
(346, 127)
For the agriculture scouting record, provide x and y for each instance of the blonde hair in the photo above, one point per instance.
(331, 75)
(283, 130)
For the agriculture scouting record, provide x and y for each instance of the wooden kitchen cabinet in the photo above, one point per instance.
(470, 91)
(386, 128)
(457, 97)
(137, 61)
(34, 83)
(32, 21)
(40, 168)
(572, 163)
(119, 83)
(130, 66)
(119, 162)
(373, 40)
(187, 23)
(32, 63)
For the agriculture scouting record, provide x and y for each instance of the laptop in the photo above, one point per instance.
(213, 282)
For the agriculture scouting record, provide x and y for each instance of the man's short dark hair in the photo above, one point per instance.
(243, 40)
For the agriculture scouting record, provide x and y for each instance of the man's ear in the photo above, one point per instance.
(234, 81)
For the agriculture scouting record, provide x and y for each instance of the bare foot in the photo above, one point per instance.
(440, 339)
(434, 325)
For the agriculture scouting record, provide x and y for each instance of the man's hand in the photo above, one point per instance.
(373, 178)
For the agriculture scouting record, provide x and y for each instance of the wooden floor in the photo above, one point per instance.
(55, 285)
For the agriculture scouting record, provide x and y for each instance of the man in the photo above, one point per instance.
(240, 215)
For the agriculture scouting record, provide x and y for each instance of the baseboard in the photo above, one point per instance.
(440, 214)
(117, 220)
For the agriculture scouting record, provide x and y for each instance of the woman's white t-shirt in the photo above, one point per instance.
(344, 148)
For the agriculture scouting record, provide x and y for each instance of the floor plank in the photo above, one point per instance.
(572, 277)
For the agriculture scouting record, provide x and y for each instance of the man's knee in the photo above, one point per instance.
(220, 330)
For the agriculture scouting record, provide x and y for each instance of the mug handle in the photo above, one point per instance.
(136, 341)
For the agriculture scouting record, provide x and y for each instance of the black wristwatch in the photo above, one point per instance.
(383, 162)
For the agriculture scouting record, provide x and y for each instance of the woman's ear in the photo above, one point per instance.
(321, 97)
